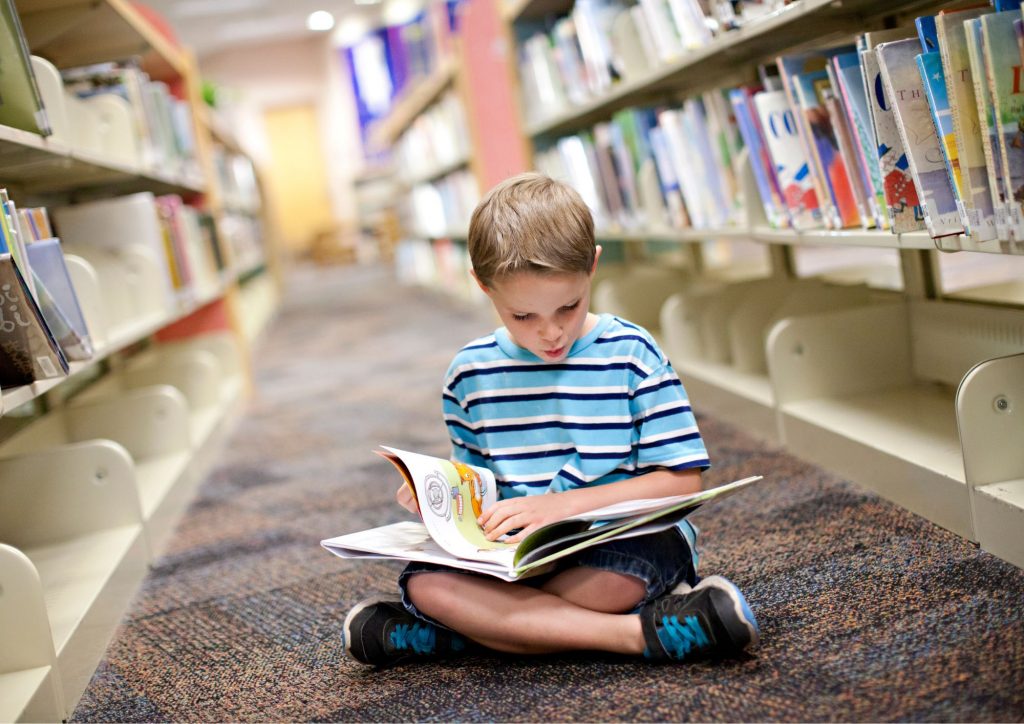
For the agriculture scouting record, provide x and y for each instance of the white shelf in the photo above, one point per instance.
(37, 164)
(120, 338)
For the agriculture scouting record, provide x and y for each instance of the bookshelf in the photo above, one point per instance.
(97, 466)
(433, 173)
(881, 385)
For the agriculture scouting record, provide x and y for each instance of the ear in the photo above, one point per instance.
(483, 287)
(597, 255)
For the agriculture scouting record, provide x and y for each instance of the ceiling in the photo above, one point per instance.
(213, 26)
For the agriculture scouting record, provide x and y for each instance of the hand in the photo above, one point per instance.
(527, 513)
(404, 497)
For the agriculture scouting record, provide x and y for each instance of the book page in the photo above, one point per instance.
(451, 497)
(411, 541)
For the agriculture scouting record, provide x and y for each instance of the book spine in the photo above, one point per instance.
(1003, 64)
(989, 142)
(975, 193)
(788, 68)
(851, 87)
(824, 148)
(929, 66)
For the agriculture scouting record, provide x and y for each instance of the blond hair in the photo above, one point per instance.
(531, 222)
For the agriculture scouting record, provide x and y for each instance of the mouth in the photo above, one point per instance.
(554, 353)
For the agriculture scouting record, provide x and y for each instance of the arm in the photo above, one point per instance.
(533, 511)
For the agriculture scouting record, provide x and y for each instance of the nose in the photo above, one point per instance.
(550, 332)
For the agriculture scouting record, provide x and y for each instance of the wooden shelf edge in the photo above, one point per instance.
(418, 96)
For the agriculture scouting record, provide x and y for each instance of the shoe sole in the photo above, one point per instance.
(346, 634)
(740, 606)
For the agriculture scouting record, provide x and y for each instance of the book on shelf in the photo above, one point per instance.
(790, 66)
(904, 208)
(656, 15)
(669, 181)
(809, 89)
(57, 299)
(790, 160)
(987, 123)
(848, 151)
(21, 103)
(28, 350)
(767, 182)
(903, 86)
(451, 496)
(1003, 64)
(933, 78)
(848, 80)
(631, 43)
(975, 193)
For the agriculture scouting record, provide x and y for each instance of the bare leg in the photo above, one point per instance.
(580, 609)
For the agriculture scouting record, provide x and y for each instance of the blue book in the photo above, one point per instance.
(927, 33)
(760, 159)
(57, 298)
(929, 65)
(850, 78)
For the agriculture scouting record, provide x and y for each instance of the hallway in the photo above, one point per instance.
(867, 611)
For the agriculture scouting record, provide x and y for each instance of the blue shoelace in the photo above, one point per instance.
(679, 639)
(419, 637)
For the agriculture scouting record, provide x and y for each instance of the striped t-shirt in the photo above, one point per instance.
(612, 410)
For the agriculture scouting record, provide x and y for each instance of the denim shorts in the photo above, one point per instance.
(661, 560)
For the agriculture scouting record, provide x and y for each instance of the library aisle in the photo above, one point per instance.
(868, 612)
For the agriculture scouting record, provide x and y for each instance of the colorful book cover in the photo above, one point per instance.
(681, 155)
(848, 150)
(903, 86)
(28, 351)
(987, 129)
(791, 164)
(760, 160)
(789, 66)
(905, 212)
(929, 65)
(850, 79)
(975, 193)
(809, 89)
(1004, 76)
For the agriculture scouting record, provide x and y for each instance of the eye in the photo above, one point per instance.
(570, 307)
(520, 317)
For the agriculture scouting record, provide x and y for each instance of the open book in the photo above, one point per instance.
(451, 496)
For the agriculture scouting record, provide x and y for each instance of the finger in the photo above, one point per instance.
(495, 514)
(505, 526)
(521, 534)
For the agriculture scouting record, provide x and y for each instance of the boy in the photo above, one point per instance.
(586, 409)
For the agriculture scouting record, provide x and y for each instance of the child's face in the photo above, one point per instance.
(544, 313)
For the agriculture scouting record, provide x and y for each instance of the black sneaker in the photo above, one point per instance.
(380, 632)
(711, 620)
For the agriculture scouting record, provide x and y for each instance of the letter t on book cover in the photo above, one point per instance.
(898, 66)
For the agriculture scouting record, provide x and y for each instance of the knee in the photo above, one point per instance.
(430, 592)
(603, 591)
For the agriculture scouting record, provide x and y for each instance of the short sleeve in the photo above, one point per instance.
(665, 427)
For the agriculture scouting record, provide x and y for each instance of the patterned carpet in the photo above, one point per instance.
(868, 613)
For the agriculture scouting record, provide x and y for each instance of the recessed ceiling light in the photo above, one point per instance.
(320, 20)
